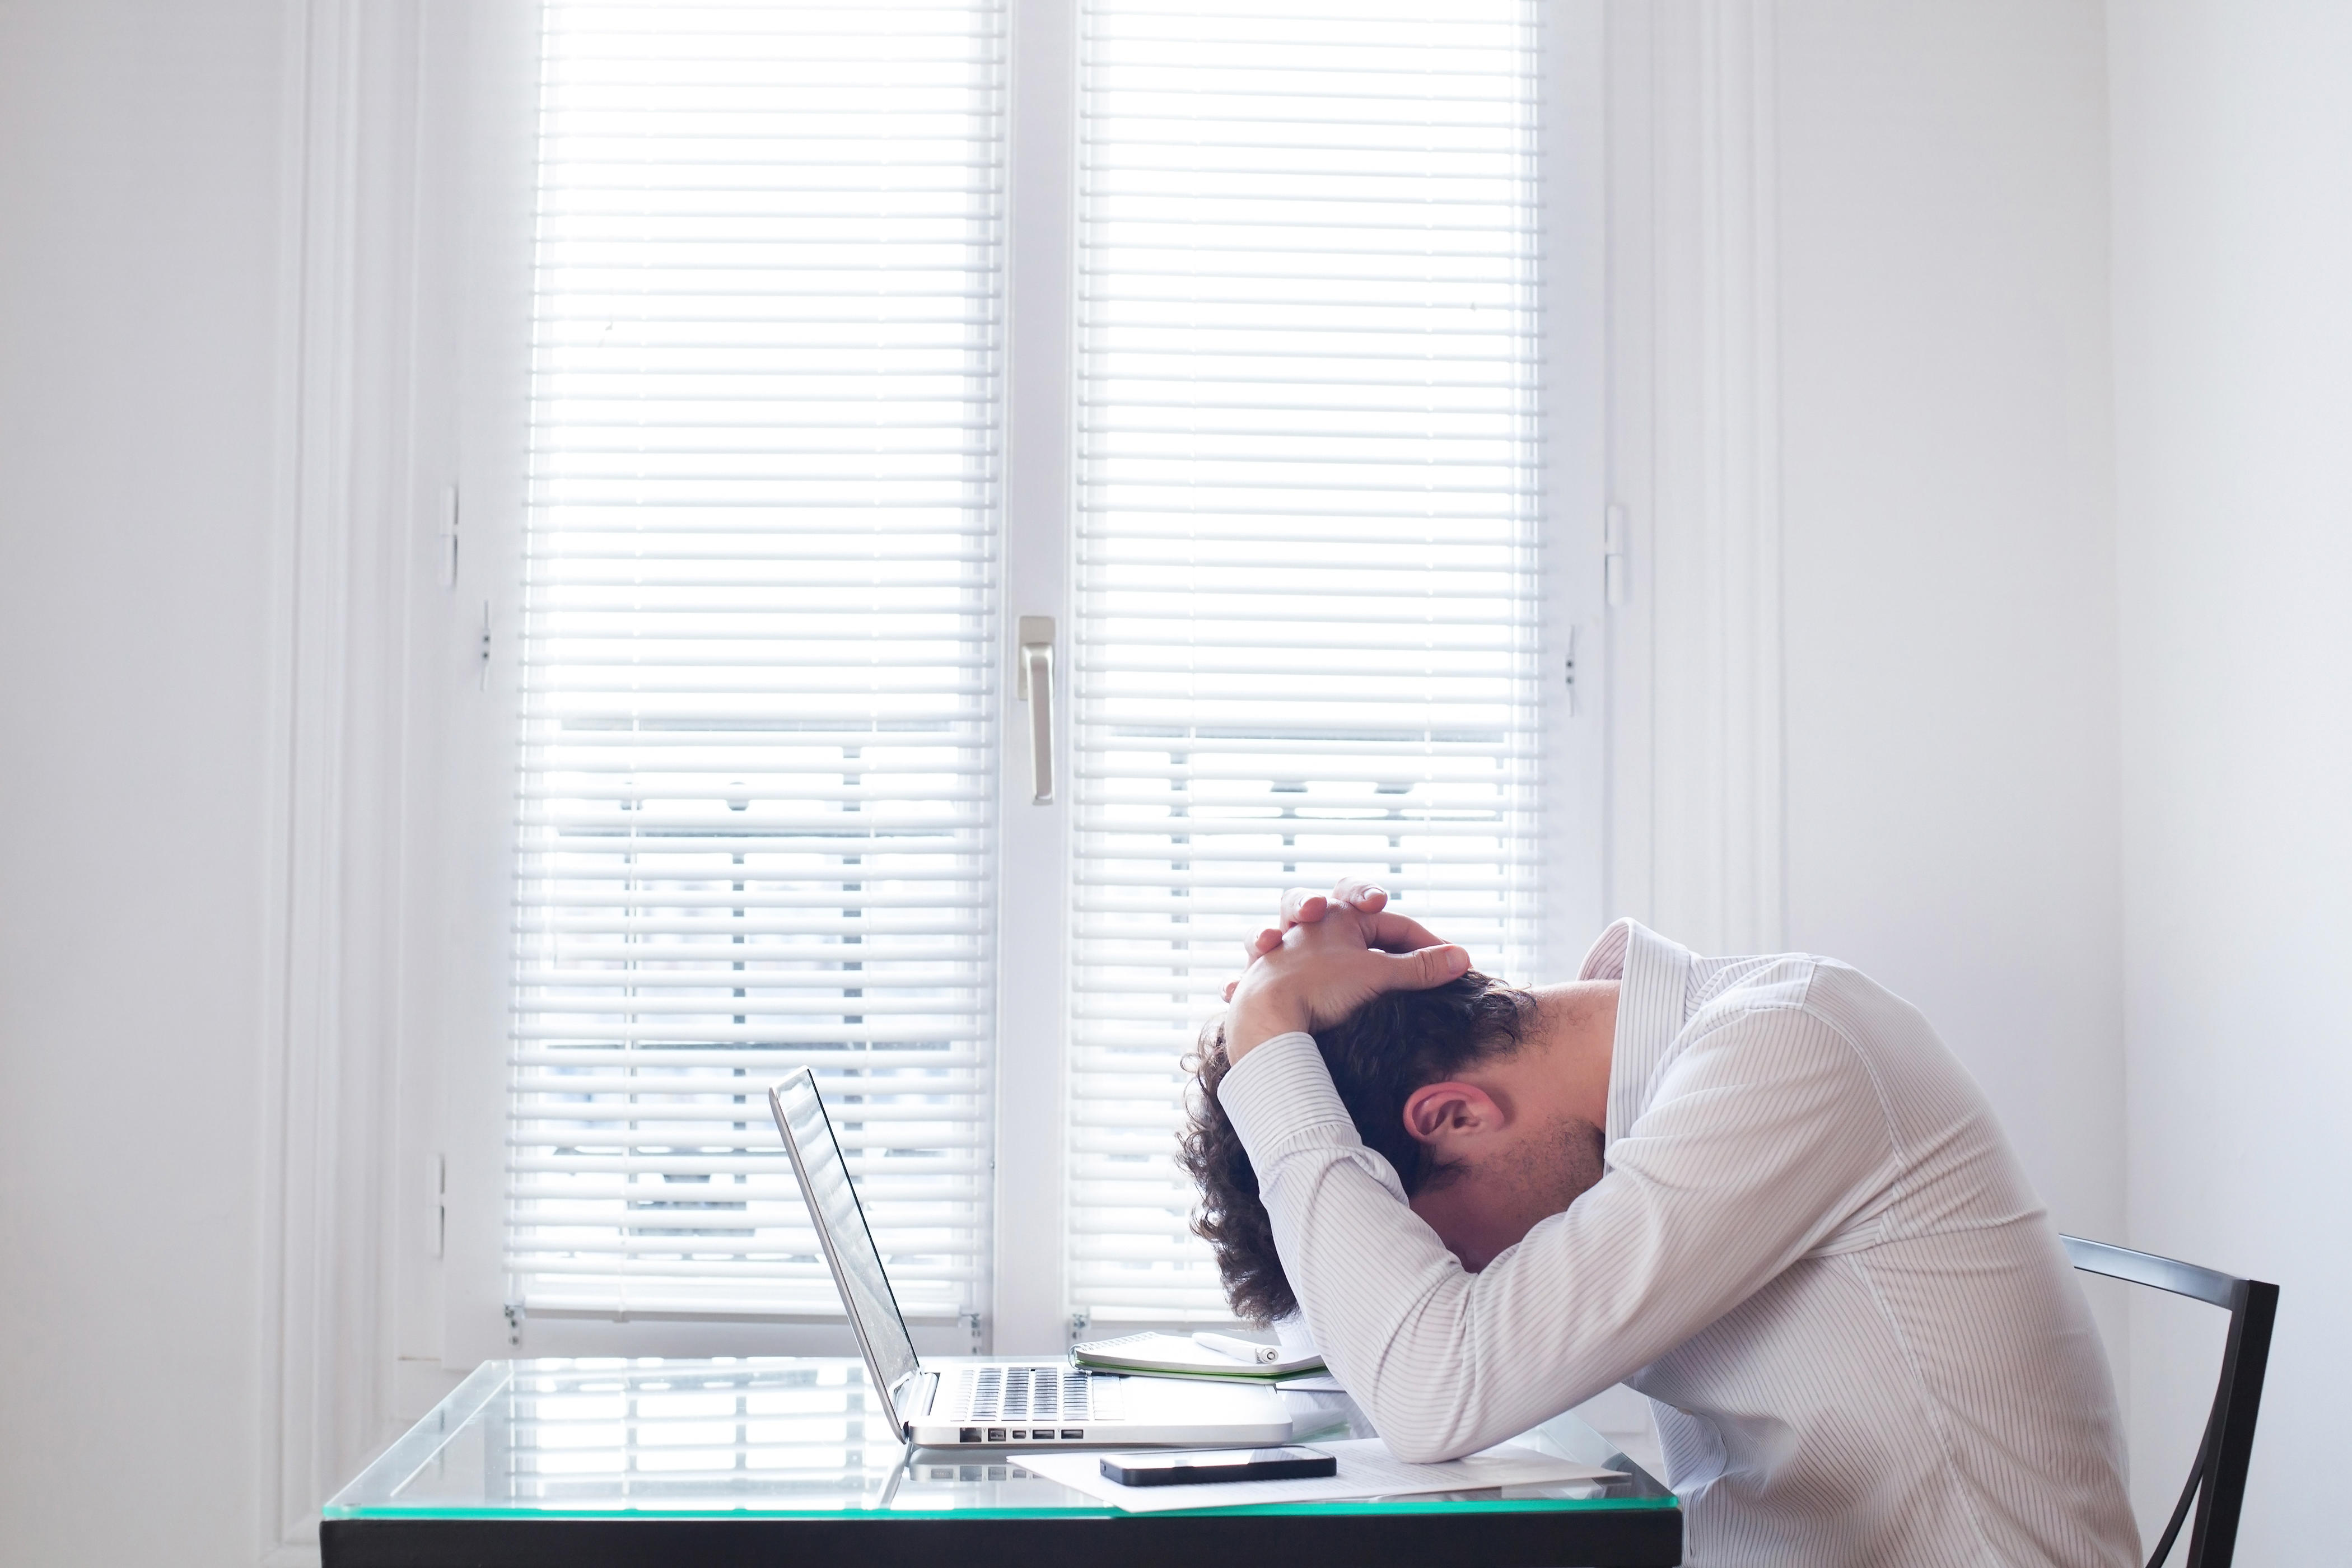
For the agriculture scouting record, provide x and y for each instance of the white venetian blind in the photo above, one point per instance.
(754, 790)
(1308, 495)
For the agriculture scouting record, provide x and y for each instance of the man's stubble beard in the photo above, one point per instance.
(1554, 1171)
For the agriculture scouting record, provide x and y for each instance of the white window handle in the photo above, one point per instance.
(1036, 680)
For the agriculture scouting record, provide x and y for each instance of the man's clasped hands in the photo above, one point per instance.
(1330, 955)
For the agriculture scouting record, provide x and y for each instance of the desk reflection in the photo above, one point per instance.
(763, 1436)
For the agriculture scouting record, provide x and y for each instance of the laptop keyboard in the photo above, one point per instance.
(1016, 1394)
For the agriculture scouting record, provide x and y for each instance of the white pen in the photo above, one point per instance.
(1240, 1350)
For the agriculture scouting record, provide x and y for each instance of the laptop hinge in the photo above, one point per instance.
(911, 1397)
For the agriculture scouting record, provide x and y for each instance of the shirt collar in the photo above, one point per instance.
(1652, 977)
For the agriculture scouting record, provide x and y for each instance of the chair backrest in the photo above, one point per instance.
(2217, 1480)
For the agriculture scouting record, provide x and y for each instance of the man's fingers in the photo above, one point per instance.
(1432, 962)
(1303, 906)
(1257, 947)
(1420, 970)
(1393, 932)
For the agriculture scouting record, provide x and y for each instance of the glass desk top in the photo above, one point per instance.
(800, 1437)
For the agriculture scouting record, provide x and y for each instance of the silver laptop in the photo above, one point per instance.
(993, 1404)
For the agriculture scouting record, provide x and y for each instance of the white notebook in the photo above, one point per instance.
(1367, 1470)
(1176, 1355)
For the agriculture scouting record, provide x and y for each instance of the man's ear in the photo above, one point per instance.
(1441, 1116)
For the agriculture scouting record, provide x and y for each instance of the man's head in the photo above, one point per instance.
(1462, 1088)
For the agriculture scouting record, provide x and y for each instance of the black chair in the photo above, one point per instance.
(2217, 1480)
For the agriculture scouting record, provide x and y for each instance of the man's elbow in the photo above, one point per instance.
(1417, 1448)
(1420, 1434)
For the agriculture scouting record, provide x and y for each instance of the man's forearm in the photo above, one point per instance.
(1259, 1016)
(1389, 1305)
(1717, 1189)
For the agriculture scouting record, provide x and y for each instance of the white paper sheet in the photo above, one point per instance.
(1367, 1470)
(1321, 1382)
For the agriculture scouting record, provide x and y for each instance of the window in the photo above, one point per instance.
(756, 814)
(773, 551)
(1305, 531)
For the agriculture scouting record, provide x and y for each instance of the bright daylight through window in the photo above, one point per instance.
(764, 688)
(1305, 531)
(759, 604)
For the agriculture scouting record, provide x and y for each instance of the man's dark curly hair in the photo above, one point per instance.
(1379, 1055)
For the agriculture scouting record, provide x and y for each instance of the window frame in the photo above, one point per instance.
(472, 276)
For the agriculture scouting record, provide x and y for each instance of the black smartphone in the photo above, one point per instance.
(1191, 1466)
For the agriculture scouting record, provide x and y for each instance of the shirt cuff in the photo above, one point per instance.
(1280, 1099)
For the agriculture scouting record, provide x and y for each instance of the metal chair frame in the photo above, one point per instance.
(2217, 1480)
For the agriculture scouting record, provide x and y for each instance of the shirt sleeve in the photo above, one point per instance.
(1764, 1136)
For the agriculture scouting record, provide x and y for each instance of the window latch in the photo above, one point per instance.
(1036, 688)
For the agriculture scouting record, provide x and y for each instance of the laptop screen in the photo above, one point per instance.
(841, 1228)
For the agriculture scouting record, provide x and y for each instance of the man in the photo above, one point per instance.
(1758, 1190)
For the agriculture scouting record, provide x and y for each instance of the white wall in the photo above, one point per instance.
(138, 336)
(2233, 326)
(1947, 477)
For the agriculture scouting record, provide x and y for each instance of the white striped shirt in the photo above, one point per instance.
(1811, 1248)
